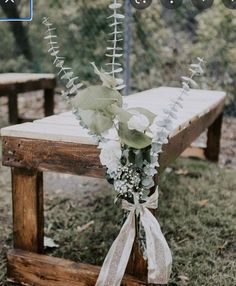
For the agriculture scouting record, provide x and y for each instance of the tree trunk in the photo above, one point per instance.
(18, 30)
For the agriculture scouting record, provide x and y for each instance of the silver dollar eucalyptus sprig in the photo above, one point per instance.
(161, 128)
(65, 73)
(114, 50)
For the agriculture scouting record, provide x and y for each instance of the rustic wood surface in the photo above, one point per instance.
(212, 150)
(42, 155)
(83, 159)
(13, 107)
(23, 82)
(40, 270)
(48, 101)
(27, 201)
(195, 152)
(65, 127)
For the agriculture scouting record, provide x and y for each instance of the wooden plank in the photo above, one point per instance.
(13, 107)
(25, 82)
(50, 132)
(27, 200)
(212, 150)
(9, 78)
(67, 128)
(40, 270)
(45, 155)
(83, 159)
(194, 152)
(65, 132)
(137, 266)
(48, 101)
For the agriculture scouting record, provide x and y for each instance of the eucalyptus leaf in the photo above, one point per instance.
(107, 80)
(97, 97)
(150, 115)
(133, 138)
(125, 115)
(122, 114)
(95, 121)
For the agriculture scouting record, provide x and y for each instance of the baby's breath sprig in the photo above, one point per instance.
(65, 73)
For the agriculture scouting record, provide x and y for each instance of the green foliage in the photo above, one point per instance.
(133, 138)
(97, 97)
(95, 120)
(93, 105)
(150, 115)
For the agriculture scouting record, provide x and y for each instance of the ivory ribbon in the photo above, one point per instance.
(158, 252)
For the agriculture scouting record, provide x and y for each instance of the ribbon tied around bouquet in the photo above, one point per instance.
(157, 250)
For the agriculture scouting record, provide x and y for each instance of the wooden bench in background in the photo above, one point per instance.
(11, 84)
(59, 144)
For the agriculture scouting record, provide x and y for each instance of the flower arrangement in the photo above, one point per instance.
(131, 141)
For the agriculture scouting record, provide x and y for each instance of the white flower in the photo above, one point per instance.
(110, 155)
(138, 122)
(111, 134)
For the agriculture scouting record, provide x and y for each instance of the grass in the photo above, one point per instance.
(196, 211)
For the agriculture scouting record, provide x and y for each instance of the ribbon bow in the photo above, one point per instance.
(158, 252)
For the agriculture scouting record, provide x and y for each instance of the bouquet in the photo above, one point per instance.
(130, 140)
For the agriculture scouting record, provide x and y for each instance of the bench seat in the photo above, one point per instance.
(11, 84)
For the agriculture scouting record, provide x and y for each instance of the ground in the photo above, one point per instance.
(196, 212)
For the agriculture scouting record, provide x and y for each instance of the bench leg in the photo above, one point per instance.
(212, 150)
(137, 266)
(28, 220)
(13, 108)
(48, 102)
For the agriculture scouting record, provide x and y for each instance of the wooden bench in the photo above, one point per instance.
(58, 143)
(11, 84)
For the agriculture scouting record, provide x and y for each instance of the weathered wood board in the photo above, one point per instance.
(34, 269)
(58, 143)
(23, 82)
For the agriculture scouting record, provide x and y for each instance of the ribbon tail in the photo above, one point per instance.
(158, 252)
(115, 263)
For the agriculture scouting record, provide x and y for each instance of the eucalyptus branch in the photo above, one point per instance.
(65, 73)
(114, 52)
(161, 137)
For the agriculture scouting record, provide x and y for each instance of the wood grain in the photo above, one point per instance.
(48, 101)
(212, 150)
(40, 270)
(42, 155)
(13, 107)
(64, 127)
(194, 152)
(27, 201)
(83, 159)
(20, 83)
